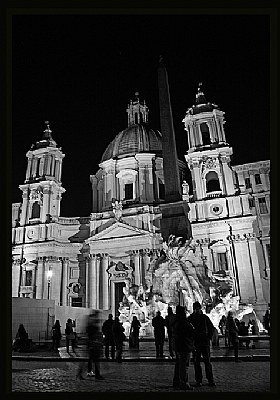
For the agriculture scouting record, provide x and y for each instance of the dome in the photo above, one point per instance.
(137, 138)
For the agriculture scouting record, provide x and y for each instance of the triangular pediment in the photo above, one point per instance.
(119, 230)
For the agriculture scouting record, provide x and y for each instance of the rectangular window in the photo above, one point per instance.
(128, 191)
(247, 183)
(28, 278)
(258, 179)
(251, 202)
(262, 205)
(222, 261)
(161, 191)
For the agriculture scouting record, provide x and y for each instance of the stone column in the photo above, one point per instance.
(28, 168)
(251, 240)
(45, 209)
(23, 215)
(97, 282)
(34, 167)
(137, 267)
(87, 282)
(228, 175)
(39, 278)
(41, 166)
(92, 281)
(105, 282)
(65, 263)
(15, 278)
(94, 182)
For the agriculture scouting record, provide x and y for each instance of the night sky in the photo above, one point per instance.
(80, 71)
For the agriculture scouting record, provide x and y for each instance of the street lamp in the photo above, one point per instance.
(49, 276)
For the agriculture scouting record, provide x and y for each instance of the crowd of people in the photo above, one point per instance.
(187, 336)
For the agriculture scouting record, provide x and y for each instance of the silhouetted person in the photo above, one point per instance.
(21, 340)
(233, 334)
(203, 335)
(109, 339)
(159, 333)
(134, 333)
(56, 335)
(255, 331)
(119, 337)
(243, 331)
(70, 335)
(169, 323)
(184, 346)
(94, 344)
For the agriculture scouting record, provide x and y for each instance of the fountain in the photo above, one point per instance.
(179, 276)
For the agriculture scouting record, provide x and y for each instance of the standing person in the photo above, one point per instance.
(184, 346)
(203, 335)
(108, 337)
(169, 323)
(159, 332)
(222, 327)
(21, 340)
(243, 330)
(134, 333)
(119, 337)
(56, 335)
(266, 321)
(255, 331)
(233, 334)
(95, 344)
(70, 335)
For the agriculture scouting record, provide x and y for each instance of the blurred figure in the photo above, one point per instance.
(243, 331)
(255, 331)
(159, 333)
(119, 337)
(95, 345)
(56, 335)
(222, 327)
(21, 341)
(215, 338)
(70, 335)
(184, 346)
(169, 323)
(233, 334)
(108, 337)
(202, 336)
(134, 333)
(266, 321)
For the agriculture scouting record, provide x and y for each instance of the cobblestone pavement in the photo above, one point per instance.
(141, 376)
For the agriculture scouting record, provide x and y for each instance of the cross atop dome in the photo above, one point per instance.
(47, 132)
(200, 97)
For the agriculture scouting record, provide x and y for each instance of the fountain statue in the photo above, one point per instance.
(179, 276)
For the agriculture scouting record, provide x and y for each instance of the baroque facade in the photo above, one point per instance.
(88, 261)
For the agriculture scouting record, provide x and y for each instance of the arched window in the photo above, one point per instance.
(212, 182)
(35, 210)
(205, 133)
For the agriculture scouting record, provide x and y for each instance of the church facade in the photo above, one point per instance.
(136, 203)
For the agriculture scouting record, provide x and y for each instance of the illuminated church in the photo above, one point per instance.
(140, 197)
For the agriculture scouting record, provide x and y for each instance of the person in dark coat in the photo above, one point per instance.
(202, 337)
(169, 323)
(159, 333)
(243, 330)
(56, 335)
(184, 346)
(108, 337)
(70, 335)
(134, 333)
(21, 341)
(233, 334)
(222, 327)
(119, 337)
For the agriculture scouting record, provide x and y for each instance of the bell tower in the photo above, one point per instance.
(42, 188)
(209, 155)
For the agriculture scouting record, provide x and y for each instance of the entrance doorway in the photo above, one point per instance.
(118, 295)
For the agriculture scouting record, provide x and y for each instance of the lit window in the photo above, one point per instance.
(263, 207)
(258, 179)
